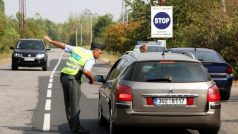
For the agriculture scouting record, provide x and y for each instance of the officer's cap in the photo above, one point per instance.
(96, 45)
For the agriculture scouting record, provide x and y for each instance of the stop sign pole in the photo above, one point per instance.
(161, 39)
(161, 2)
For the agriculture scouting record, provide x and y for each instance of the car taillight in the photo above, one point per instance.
(229, 70)
(149, 101)
(190, 101)
(213, 94)
(123, 93)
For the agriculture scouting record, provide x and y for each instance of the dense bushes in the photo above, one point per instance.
(197, 23)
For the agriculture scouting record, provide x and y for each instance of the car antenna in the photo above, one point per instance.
(195, 49)
(163, 52)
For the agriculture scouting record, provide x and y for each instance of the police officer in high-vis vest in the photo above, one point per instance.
(80, 62)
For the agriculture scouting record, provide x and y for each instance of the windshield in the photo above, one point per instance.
(30, 44)
(155, 49)
(151, 48)
(207, 56)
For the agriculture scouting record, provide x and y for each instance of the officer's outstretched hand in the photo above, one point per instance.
(46, 37)
(91, 82)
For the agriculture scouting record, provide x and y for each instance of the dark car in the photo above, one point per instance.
(159, 90)
(217, 67)
(29, 53)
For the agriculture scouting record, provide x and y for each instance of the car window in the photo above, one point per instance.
(111, 72)
(155, 49)
(128, 75)
(169, 72)
(151, 48)
(116, 69)
(208, 56)
(205, 56)
(30, 45)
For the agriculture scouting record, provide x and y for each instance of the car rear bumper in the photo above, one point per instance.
(224, 85)
(127, 117)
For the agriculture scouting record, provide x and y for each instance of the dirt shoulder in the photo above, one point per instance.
(235, 82)
(4, 58)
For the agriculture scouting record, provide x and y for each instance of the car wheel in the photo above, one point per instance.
(44, 68)
(14, 67)
(209, 131)
(226, 96)
(102, 120)
(113, 128)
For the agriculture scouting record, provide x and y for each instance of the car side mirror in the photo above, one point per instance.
(99, 78)
(12, 48)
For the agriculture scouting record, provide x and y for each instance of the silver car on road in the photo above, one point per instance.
(159, 90)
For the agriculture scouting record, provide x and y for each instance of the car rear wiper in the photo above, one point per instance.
(201, 59)
(161, 79)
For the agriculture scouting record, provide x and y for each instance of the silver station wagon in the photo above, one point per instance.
(159, 90)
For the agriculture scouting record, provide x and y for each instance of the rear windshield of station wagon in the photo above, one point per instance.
(178, 72)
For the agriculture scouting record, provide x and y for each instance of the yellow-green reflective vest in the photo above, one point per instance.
(76, 61)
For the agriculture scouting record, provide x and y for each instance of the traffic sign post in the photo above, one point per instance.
(161, 21)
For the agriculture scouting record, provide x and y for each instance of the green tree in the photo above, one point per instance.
(115, 36)
(99, 27)
(36, 27)
(10, 35)
(1, 6)
(73, 24)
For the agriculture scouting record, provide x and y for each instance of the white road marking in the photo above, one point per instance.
(53, 72)
(51, 81)
(48, 104)
(50, 85)
(46, 123)
(49, 93)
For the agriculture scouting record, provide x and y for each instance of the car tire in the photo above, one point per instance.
(102, 120)
(226, 96)
(113, 128)
(44, 68)
(209, 131)
(14, 67)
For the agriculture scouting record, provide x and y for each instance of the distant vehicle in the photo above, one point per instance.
(217, 67)
(153, 46)
(29, 53)
(161, 90)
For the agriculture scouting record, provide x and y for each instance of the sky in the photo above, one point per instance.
(59, 10)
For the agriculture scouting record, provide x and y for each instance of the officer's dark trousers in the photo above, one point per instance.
(72, 92)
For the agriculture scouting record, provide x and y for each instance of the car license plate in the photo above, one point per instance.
(29, 59)
(170, 101)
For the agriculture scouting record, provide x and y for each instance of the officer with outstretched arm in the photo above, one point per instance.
(79, 63)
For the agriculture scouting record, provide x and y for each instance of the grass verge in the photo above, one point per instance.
(110, 57)
(4, 57)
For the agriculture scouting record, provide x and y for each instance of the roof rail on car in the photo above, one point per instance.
(132, 53)
(127, 52)
(188, 54)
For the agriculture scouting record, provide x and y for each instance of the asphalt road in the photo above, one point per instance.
(31, 102)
